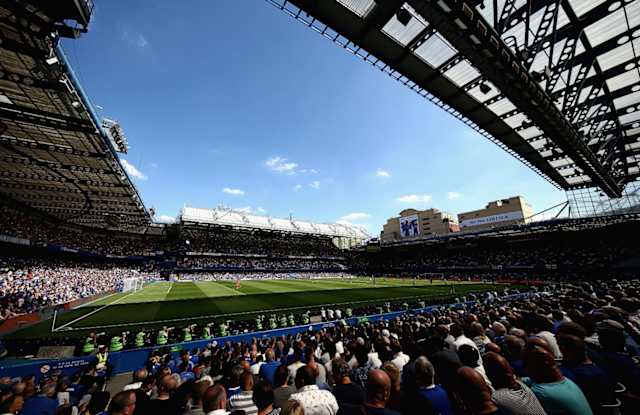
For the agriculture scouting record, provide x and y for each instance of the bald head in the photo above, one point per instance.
(214, 398)
(378, 388)
(246, 380)
(476, 394)
(492, 347)
(539, 361)
(499, 370)
(140, 375)
(167, 385)
(424, 371)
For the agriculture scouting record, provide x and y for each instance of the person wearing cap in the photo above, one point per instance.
(102, 360)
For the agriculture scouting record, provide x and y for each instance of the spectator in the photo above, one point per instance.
(556, 393)
(268, 369)
(577, 366)
(313, 400)
(396, 397)
(165, 403)
(12, 405)
(138, 377)
(198, 390)
(263, 399)
(243, 400)
(123, 403)
(214, 401)
(345, 391)
(474, 393)
(283, 390)
(43, 404)
(377, 395)
(434, 394)
(511, 395)
(293, 408)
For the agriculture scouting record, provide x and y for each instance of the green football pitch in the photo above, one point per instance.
(180, 303)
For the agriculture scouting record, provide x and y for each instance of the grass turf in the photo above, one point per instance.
(166, 303)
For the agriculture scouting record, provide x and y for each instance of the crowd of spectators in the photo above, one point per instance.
(572, 349)
(530, 255)
(257, 276)
(260, 243)
(268, 264)
(23, 225)
(27, 285)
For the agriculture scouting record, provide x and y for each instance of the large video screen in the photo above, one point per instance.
(409, 226)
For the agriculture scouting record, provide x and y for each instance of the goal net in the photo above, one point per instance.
(132, 284)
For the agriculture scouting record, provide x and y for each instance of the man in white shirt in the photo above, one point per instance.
(399, 358)
(214, 401)
(314, 400)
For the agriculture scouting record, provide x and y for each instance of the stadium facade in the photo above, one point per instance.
(503, 212)
(412, 223)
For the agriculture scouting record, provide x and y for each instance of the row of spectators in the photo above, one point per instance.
(258, 243)
(531, 254)
(574, 352)
(27, 285)
(269, 264)
(23, 225)
(257, 276)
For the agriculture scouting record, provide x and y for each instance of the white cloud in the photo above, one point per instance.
(133, 170)
(261, 210)
(165, 219)
(281, 165)
(414, 199)
(297, 187)
(354, 217)
(453, 195)
(315, 184)
(314, 171)
(154, 165)
(246, 209)
(135, 39)
(234, 192)
(383, 173)
(141, 41)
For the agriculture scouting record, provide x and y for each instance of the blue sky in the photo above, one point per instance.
(235, 103)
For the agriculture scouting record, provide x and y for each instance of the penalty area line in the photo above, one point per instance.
(82, 317)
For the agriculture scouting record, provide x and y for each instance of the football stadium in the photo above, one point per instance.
(111, 302)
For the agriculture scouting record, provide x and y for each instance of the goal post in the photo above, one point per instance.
(132, 284)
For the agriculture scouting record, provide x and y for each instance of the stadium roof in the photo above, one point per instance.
(237, 219)
(553, 82)
(54, 154)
